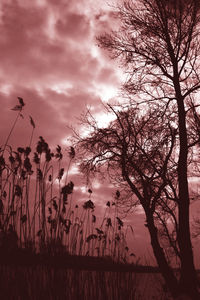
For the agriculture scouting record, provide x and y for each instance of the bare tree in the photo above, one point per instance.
(159, 43)
(159, 47)
(139, 154)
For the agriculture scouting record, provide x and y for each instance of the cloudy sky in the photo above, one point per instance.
(50, 58)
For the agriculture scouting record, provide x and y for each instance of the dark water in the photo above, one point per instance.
(44, 282)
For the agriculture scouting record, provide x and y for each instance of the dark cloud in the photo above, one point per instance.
(74, 26)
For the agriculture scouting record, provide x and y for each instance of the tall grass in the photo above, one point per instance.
(37, 209)
(38, 214)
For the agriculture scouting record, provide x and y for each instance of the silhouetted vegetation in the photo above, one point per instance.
(151, 148)
(38, 213)
(51, 245)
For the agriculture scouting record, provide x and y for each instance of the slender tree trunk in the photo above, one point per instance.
(164, 267)
(188, 279)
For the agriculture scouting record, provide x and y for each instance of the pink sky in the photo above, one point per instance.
(49, 57)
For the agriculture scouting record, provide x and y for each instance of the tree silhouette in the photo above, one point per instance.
(140, 155)
(158, 45)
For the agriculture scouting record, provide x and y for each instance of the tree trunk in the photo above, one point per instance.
(164, 267)
(188, 279)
